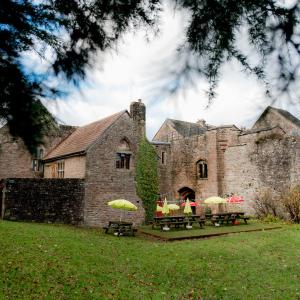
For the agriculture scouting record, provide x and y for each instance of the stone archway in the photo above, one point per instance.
(185, 193)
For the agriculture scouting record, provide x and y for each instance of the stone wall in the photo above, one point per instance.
(43, 200)
(164, 168)
(261, 162)
(104, 182)
(15, 159)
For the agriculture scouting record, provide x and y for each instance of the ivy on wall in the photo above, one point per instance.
(147, 177)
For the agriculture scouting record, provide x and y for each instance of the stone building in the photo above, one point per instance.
(96, 163)
(198, 160)
(102, 154)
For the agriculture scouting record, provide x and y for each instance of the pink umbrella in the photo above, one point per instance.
(235, 199)
(191, 203)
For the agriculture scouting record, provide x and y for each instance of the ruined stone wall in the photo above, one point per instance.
(166, 133)
(44, 200)
(164, 169)
(272, 118)
(74, 168)
(16, 161)
(258, 163)
(185, 153)
(104, 182)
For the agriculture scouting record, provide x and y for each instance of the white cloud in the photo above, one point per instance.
(130, 73)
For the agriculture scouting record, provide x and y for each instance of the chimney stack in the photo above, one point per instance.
(138, 114)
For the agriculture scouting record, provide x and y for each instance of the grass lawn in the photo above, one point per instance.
(196, 231)
(39, 261)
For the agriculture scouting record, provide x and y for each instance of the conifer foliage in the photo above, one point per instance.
(147, 177)
(69, 35)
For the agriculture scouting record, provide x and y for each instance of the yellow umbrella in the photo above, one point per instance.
(187, 207)
(173, 207)
(158, 208)
(214, 200)
(188, 210)
(165, 209)
(122, 204)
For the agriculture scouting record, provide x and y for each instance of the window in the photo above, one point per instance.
(202, 169)
(61, 169)
(35, 165)
(163, 158)
(36, 161)
(123, 155)
(123, 161)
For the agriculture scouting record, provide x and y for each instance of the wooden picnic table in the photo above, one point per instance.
(232, 217)
(120, 227)
(177, 221)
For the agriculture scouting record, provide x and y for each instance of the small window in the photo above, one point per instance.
(40, 153)
(123, 161)
(61, 169)
(202, 171)
(36, 161)
(35, 165)
(163, 157)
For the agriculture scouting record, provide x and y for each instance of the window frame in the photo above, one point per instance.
(123, 160)
(60, 169)
(202, 169)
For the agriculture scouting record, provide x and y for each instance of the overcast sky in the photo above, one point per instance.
(132, 72)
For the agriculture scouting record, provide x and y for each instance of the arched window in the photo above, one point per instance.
(202, 171)
(123, 155)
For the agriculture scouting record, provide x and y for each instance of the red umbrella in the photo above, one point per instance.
(191, 203)
(235, 199)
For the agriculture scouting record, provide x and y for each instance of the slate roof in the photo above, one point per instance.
(83, 137)
(187, 128)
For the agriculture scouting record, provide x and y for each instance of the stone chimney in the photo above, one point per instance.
(202, 123)
(138, 114)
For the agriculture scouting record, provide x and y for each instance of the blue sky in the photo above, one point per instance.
(137, 69)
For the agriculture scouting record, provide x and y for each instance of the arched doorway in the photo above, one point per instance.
(185, 193)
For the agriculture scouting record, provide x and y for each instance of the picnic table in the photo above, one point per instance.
(177, 221)
(227, 217)
(120, 228)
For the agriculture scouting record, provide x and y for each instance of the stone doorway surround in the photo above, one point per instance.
(187, 193)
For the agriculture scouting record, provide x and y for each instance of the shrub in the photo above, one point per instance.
(271, 219)
(267, 203)
(291, 202)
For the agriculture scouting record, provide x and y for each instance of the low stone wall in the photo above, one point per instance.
(43, 200)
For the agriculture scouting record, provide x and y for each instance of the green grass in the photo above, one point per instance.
(207, 230)
(39, 261)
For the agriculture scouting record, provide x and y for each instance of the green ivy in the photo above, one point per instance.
(147, 177)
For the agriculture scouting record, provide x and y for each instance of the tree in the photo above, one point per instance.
(74, 31)
(147, 177)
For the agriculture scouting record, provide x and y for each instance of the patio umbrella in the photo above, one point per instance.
(214, 200)
(173, 207)
(192, 203)
(235, 199)
(187, 210)
(159, 208)
(122, 204)
(165, 209)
